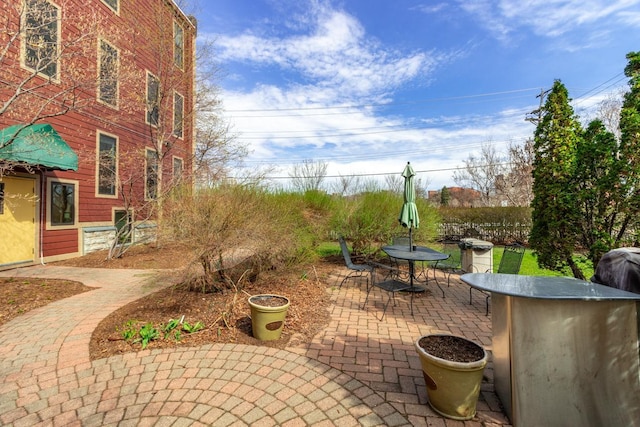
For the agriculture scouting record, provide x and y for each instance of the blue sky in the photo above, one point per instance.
(367, 85)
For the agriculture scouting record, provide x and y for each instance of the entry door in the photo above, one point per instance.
(17, 220)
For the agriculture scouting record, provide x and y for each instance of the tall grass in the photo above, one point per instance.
(290, 228)
(371, 218)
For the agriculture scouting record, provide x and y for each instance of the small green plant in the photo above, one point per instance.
(129, 332)
(190, 329)
(177, 334)
(170, 326)
(147, 334)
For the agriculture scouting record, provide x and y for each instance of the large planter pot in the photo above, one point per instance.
(453, 382)
(267, 315)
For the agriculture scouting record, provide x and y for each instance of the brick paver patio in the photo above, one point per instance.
(357, 371)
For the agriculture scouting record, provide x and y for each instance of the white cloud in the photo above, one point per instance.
(336, 63)
(431, 8)
(336, 53)
(549, 18)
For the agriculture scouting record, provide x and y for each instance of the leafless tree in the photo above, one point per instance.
(347, 185)
(481, 171)
(609, 112)
(217, 146)
(394, 182)
(308, 175)
(516, 184)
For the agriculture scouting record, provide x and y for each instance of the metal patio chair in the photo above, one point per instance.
(401, 266)
(509, 264)
(451, 265)
(391, 283)
(356, 270)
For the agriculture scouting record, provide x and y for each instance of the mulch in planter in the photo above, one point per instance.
(451, 348)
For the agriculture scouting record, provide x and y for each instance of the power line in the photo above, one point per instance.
(369, 130)
(386, 154)
(378, 130)
(602, 84)
(360, 106)
(388, 173)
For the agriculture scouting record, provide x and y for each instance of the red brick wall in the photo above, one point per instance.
(137, 32)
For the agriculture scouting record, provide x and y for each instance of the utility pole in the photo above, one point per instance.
(536, 115)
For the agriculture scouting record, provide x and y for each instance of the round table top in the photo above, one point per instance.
(420, 253)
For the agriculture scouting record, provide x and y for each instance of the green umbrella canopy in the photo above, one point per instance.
(409, 212)
(38, 145)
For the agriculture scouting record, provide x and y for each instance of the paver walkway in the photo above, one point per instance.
(358, 371)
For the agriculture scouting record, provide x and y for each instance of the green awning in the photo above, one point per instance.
(37, 145)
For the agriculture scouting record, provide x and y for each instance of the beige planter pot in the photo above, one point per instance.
(452, 387)
(267, 316)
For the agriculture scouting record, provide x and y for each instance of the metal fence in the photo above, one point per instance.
(498, 233)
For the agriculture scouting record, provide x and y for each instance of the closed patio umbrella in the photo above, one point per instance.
(409, 212)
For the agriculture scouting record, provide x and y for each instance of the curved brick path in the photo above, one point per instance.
(358, 371)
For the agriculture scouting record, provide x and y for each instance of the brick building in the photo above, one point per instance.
(96, 121)
(458, 197)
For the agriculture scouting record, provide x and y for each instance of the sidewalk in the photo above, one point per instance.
(358, 371)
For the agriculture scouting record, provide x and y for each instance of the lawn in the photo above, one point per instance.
(529, 262)
(530, 265)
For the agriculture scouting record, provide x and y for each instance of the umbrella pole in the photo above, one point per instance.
(410, 237)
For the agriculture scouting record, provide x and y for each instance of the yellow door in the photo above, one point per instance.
(17, 220)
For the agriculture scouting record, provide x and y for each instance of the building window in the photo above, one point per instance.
(113, 4)
(178, 45)
(62, 203)
(151, 178)
(107, 164)
(178, 114)
(123, 221)
(108, 84)
(1, 198)
(177, 169)
(41, 36)
(153, 97)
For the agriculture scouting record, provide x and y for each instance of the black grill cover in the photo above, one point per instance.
(619, 268)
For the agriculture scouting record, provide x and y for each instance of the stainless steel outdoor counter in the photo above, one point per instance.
(565, 351)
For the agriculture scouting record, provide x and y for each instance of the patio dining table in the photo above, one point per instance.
(413, 255)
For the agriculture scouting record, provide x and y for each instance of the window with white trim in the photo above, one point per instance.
(41, 37)
(178, 114)
(113, 4)
(108, 77)
(107, 164)
(151, 175)
(178, 45)
(123, 221)
(62, 203)
(153, 99)
(178, 167)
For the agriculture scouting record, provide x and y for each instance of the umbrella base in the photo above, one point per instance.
(415, 289)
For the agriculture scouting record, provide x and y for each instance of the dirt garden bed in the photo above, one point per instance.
(223, 315)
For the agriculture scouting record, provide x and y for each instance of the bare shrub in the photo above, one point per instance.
(236, 232)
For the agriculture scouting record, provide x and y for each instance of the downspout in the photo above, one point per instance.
(42, 220)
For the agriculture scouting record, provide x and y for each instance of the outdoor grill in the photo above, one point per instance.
(619, 268)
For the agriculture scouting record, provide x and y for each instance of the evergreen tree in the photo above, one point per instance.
(445, 196)
(597, 178)
(554, 232)
(630, 147)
